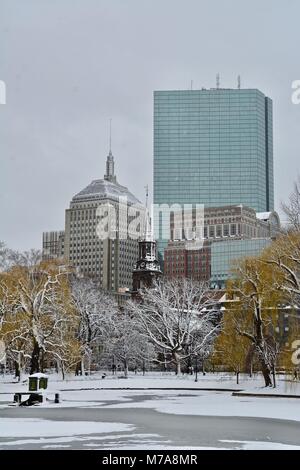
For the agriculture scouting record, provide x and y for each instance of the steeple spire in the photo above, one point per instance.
(147, 229)
(110, 136)
(110, 164)
(147, 268)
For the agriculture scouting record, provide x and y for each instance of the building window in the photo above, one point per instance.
(233, 230)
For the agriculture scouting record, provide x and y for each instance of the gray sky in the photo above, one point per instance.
(70, 65)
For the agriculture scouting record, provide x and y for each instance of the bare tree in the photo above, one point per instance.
(284, 257)
(95, 309)
(125, 344)
(14, 333)
(230, 349)
(4, 254)
(292, 208)
(255, 300)
(10, 258)
(39, 308)
(179, 317)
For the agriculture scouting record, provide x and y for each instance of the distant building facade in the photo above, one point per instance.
(53, 245)
(224, 255)
(187, 259)
(111, 258)
(103, 226)
(212, 147)
(239, 231)
(232, 222)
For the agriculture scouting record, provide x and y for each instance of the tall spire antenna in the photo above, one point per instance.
(110, 135)
(239, 82)
(147, 230)
(218, 81)
(147, 196)
(110, 164)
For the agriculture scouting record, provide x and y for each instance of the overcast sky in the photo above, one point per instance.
(70, 65)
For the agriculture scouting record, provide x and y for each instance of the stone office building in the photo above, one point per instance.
(102, 228)
(109, 259)
(227, 233)
(53, 245)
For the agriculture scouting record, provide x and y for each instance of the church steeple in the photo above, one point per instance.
(110, 164)
(147, 268)
(147, 227)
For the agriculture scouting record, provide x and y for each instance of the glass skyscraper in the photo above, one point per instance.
(225, 254)
(213, 147)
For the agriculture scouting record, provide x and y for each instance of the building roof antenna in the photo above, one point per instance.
(147, 195)
(148, 229)
(218, 81)
(110, 164)
(239, 82)
(110, 136)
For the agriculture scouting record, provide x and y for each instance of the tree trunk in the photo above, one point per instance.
(165, 362)
(89, 364)
(42, 360)
(176, 359)
(17, 371)
(265, 369)
(35, 359)
(82, 366)
(274, 376)
(238, 377)
(260, 346)
(251, 369)
(266, 373)
(125, 368)
(78, 369)
(113, 367)
(21, 366)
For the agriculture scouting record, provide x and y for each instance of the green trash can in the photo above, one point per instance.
(43, 383)
(37, 382)
(33, 384)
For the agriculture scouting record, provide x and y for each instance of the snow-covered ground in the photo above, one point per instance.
(30, 427)
(158, 380)
(169, 397)
(197, 403)
(215, 404)
(112, 396)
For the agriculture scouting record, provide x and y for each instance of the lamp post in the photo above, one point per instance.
(113, 367)
(196, 368)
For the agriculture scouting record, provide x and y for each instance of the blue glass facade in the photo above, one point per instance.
(213, 147)
(225, 254)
